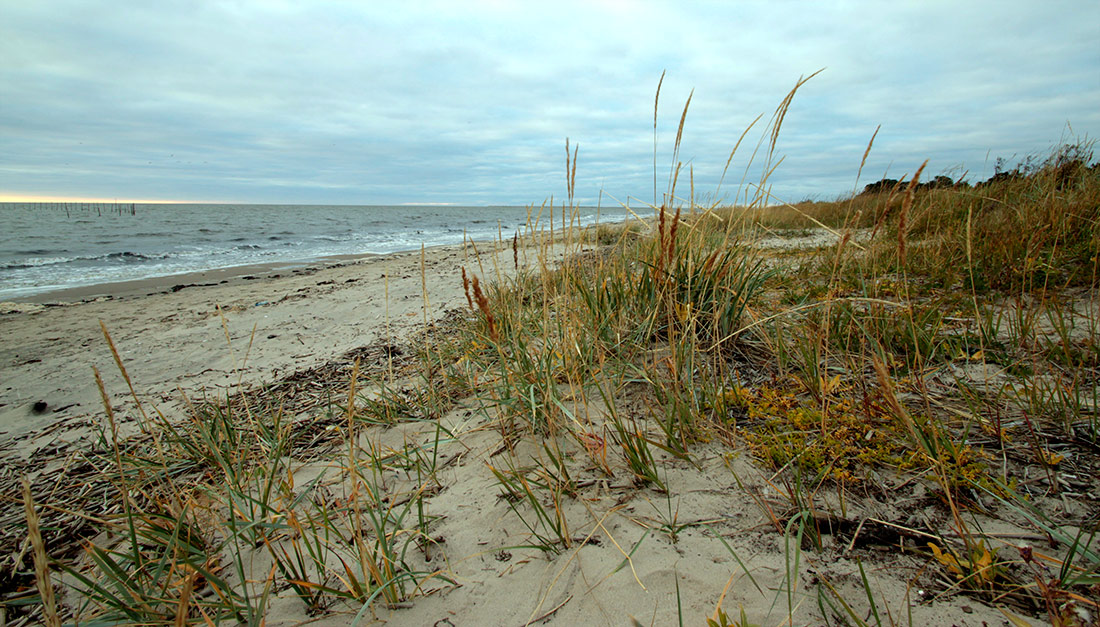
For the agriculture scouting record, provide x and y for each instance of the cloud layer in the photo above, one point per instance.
(470, 103)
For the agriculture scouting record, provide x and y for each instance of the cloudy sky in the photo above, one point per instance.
(471, 102)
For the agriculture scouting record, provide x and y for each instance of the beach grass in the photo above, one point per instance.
(937, 346)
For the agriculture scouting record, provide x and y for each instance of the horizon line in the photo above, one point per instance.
(28, 199)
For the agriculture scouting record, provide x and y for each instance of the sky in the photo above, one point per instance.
(472, 102)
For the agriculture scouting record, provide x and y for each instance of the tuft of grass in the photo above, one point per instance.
(545, 520)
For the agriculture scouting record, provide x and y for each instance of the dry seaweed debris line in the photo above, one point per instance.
(66, 510)
(78, 493)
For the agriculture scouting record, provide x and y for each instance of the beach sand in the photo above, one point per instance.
(641, 554)
(169, 330)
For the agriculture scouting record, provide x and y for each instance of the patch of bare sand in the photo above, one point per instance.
(635, 553)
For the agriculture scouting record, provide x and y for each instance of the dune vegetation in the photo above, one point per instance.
(863, 411)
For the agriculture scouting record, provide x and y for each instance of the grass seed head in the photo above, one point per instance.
(483, 305)
(466, 288)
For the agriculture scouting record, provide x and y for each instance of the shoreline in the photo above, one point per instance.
(149, 286)
(59, 281)
(209, 333)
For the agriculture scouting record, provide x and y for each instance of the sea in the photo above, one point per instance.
(46, 247)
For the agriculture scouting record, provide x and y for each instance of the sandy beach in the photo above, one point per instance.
(169, 330)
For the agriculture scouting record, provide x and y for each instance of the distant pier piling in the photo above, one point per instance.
(86, 208)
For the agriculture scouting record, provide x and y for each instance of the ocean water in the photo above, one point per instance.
(47, 247)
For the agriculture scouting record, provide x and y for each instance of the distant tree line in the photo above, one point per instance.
(886, 185)
(1066, 166)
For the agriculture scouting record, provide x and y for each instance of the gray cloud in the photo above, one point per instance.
(471, 103)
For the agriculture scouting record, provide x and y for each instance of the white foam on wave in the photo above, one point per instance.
(163, 241)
